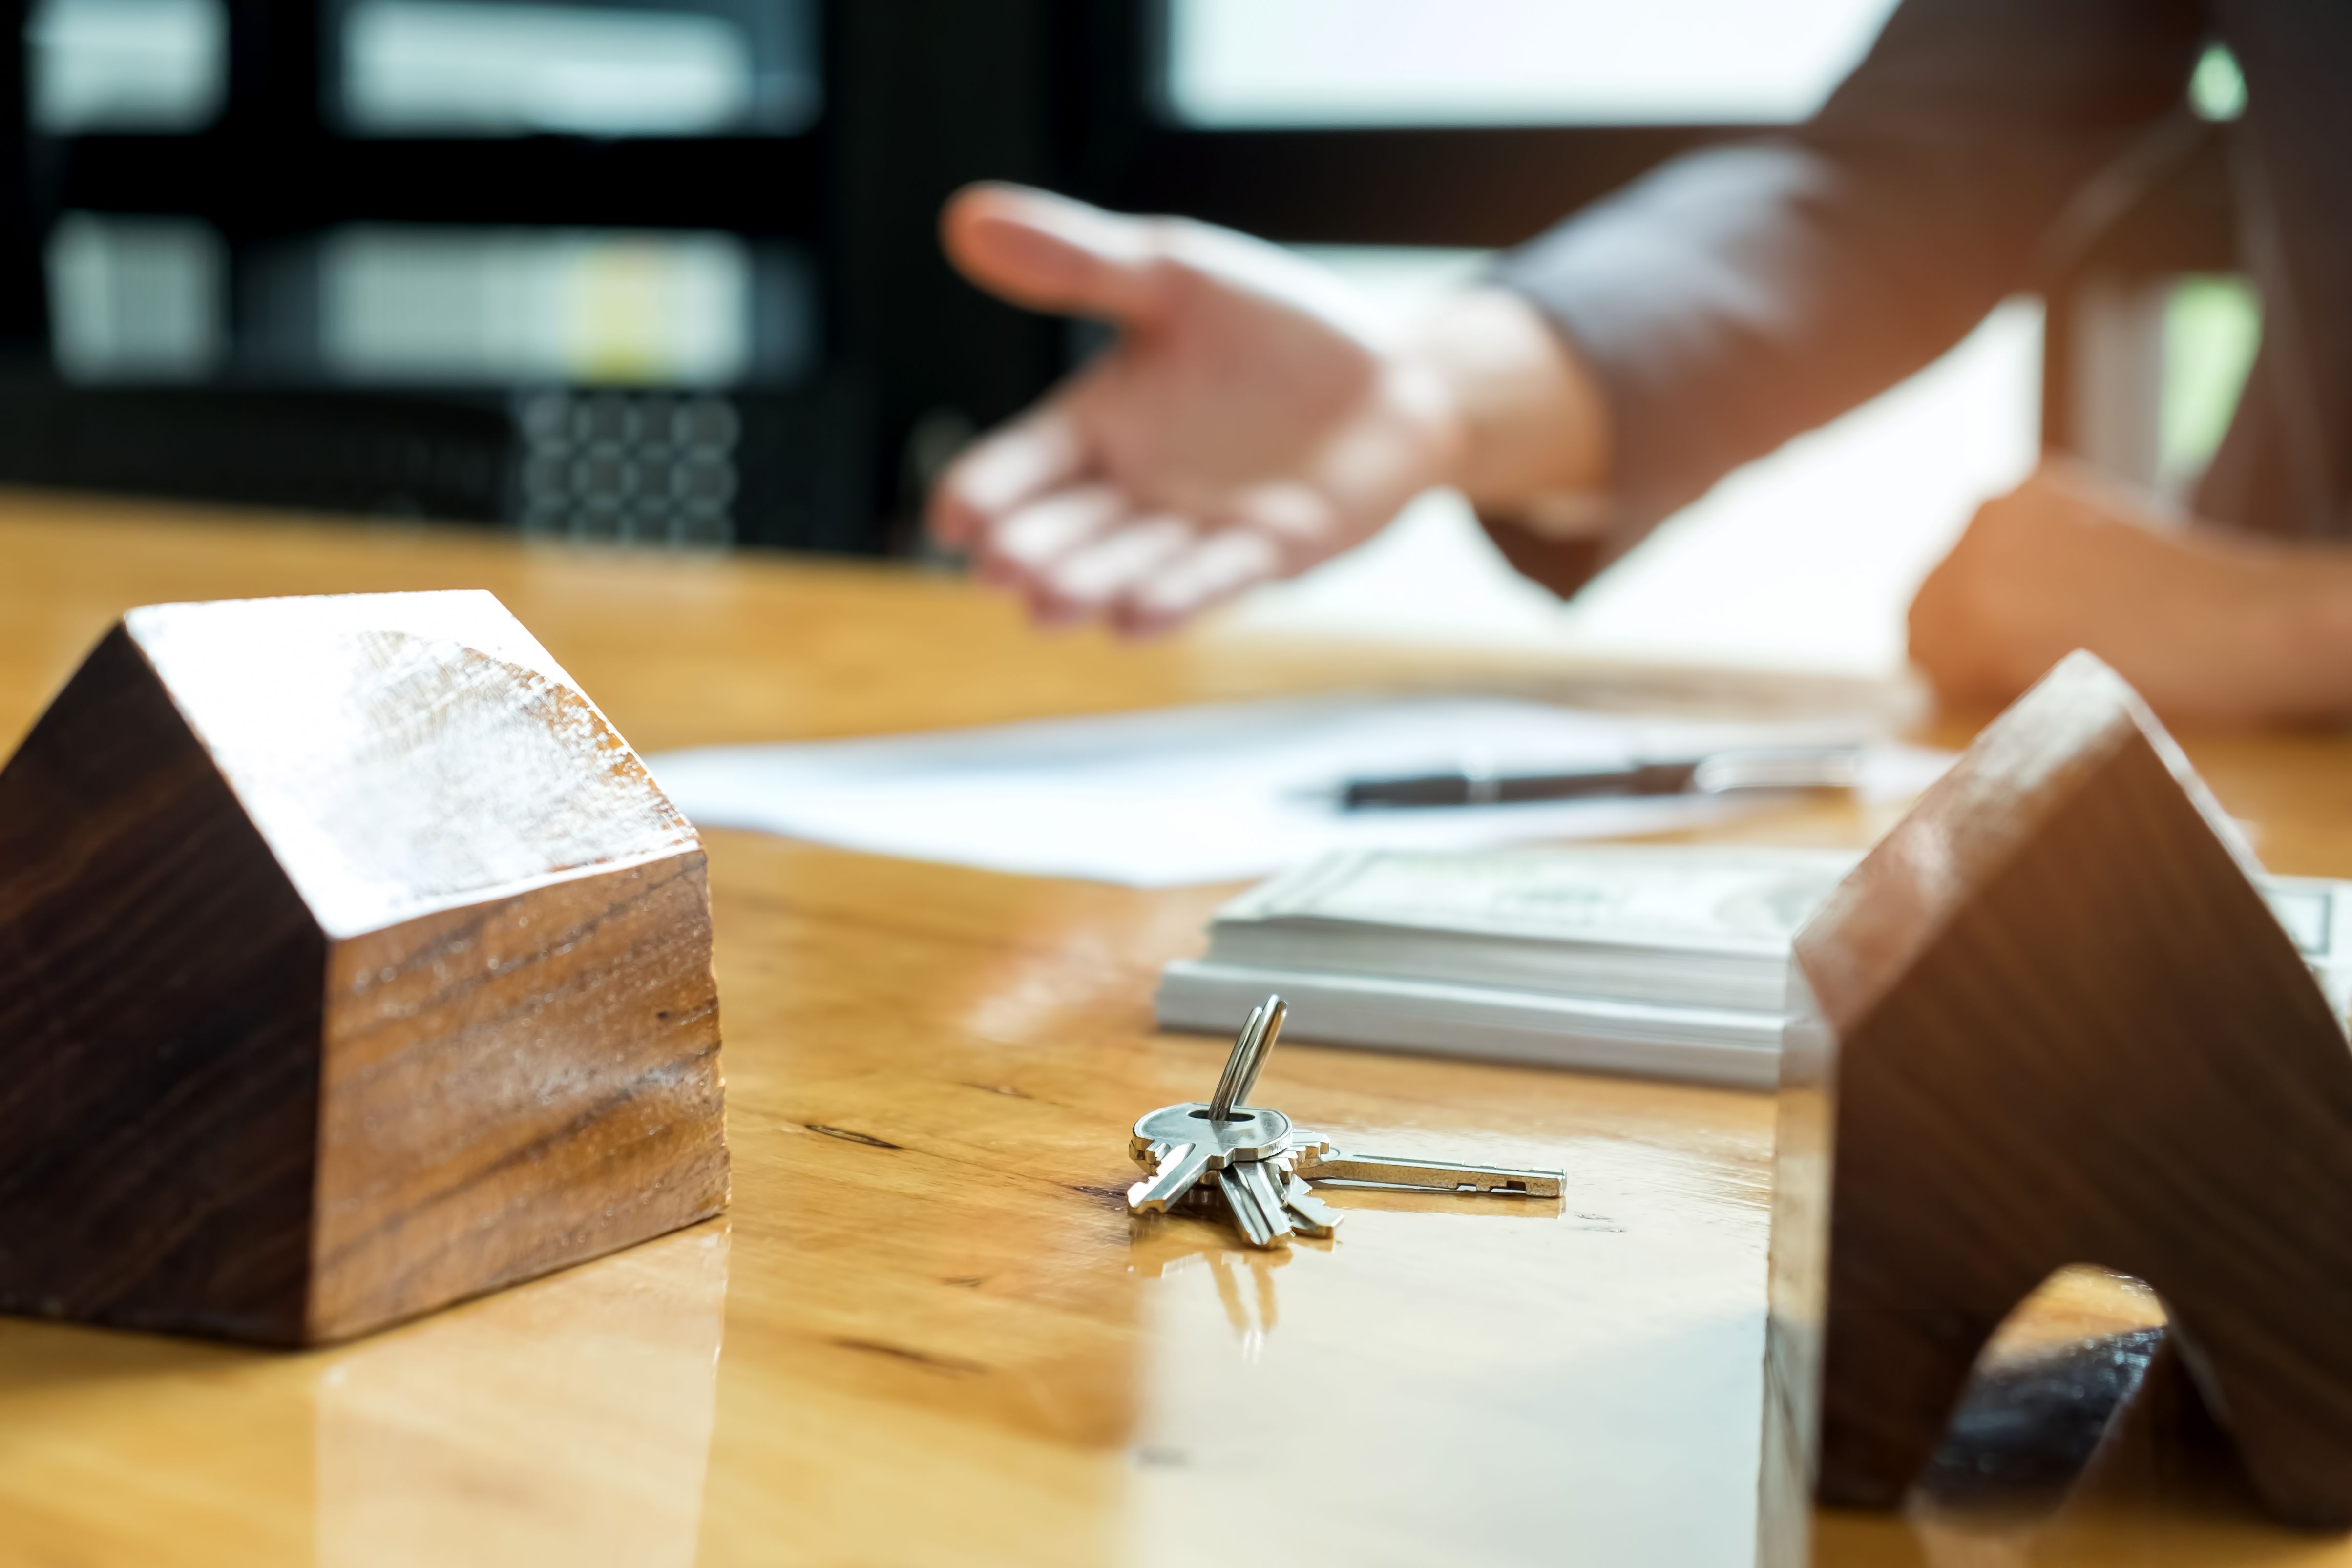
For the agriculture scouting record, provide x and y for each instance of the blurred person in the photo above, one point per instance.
(1250, 423)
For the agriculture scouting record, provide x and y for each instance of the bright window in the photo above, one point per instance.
(456, 68)
(136, 299)
(1234, 63)
(127, 65)
(454, 307)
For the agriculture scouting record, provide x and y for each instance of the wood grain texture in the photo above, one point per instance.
(159, 1014)
(955, 1348)
(2054, 1023)
(361, 967)
(512, 1087)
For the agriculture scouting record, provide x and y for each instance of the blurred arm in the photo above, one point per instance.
(1248, 423)
(1739, 296)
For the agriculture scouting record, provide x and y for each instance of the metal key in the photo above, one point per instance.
(1255, 1202)
(1264, 1200)
(1315, 1159)
(1309, 1215)
(1184, 1143)
(1199, 1144)
(1261, 1164)
(1203, 1198)
(1152, 1159)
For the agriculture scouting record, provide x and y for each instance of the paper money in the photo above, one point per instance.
(1671, 959)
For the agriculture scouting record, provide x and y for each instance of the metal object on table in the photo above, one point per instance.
(1316, 1159)
(1738, 767)
(1249, 1054)
(1260, 1163)
(1196, 1142)
(1309, 1215)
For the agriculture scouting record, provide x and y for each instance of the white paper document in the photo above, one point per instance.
(1214, 793)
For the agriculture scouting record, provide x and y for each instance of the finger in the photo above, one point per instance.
(1083, 585)
(1032, 538)
(1210, 572)
(1050, 252)
(1039, 452)
(1300, 523)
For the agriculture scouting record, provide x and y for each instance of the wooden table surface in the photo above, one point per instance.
(928, 1331)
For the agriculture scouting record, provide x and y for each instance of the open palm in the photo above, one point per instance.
(1247, 424)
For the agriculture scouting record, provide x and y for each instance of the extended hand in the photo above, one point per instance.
(1247, 424)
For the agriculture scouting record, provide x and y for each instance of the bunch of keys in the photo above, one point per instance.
(1260, 1163)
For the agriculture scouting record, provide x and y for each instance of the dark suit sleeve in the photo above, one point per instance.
(1738, 296)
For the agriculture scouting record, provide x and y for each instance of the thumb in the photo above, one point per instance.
(1050, 252)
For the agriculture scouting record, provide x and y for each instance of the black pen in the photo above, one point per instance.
(1749, 767)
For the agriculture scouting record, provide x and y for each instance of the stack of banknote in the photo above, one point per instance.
(1659, 960)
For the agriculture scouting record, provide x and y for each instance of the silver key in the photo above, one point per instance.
(1255, 1202)
(1261, 1164)
(1203, 1198)
(1184, 1143)
(1315, 1159)
(1150, 1159)
(1309, 1215)
(1197, 1145)
(1271, 1194)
